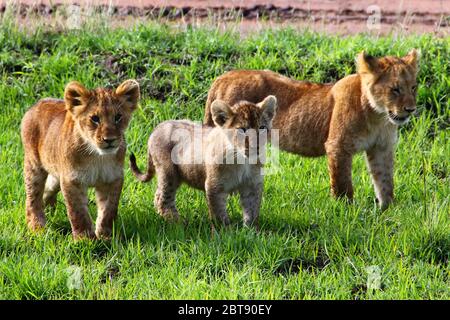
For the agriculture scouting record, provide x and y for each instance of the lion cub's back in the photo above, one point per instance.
(174, 133)
(180, 144)
(252, 86)
(171, 131)
(46, 115)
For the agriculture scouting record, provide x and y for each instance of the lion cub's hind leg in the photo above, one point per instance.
(35, 177)
(51, 190)
(168, 183)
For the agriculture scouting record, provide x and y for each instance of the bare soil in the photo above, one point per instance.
(331, 16)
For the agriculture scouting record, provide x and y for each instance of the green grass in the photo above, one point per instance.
(309, 247)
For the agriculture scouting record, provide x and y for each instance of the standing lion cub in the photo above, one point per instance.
(73, 144)
(218, 160)
(360, 112)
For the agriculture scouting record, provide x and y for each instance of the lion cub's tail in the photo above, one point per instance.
(143, 177)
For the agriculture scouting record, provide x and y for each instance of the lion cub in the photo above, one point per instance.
(73, 144)
(360, 112)
(219, 160)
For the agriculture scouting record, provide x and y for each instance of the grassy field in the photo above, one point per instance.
(309, 246)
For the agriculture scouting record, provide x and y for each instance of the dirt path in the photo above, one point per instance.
(333, 16)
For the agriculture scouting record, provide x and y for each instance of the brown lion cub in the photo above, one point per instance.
(217, 160)
(73, 144)
(360, 112)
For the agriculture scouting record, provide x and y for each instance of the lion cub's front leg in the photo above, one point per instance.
(107, 197)
(380, 162)
(217, 203)
(75, 196)
(340, 170)
(250, 198)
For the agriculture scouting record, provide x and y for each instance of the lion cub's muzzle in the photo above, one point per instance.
(108, 145)
(403, 117)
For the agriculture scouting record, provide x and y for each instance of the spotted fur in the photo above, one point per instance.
(183, 151)
(360, 112)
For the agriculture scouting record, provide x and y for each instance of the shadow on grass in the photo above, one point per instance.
(434, 249)
(294, 265)
(198, 225)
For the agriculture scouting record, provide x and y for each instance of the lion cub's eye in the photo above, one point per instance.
(95, 119)
(263, 128)
(242, 130)
(395, 91)
(118, 118)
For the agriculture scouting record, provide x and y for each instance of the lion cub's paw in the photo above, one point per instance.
(103, 234)
(86, 235)
(36, 223)
(171, 216)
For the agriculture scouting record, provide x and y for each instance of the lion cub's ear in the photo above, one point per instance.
(269, 106)
(221, 112)
(129, 91)
(412, 58)
(366, 64)
(76, 97)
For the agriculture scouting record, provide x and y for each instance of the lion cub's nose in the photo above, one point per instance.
(410, 109)
(109, 140)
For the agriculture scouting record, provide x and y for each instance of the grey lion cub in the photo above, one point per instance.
(219, 160)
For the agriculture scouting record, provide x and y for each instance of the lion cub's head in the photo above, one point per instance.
(245, 120)
(390, 84)
(102, 115)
